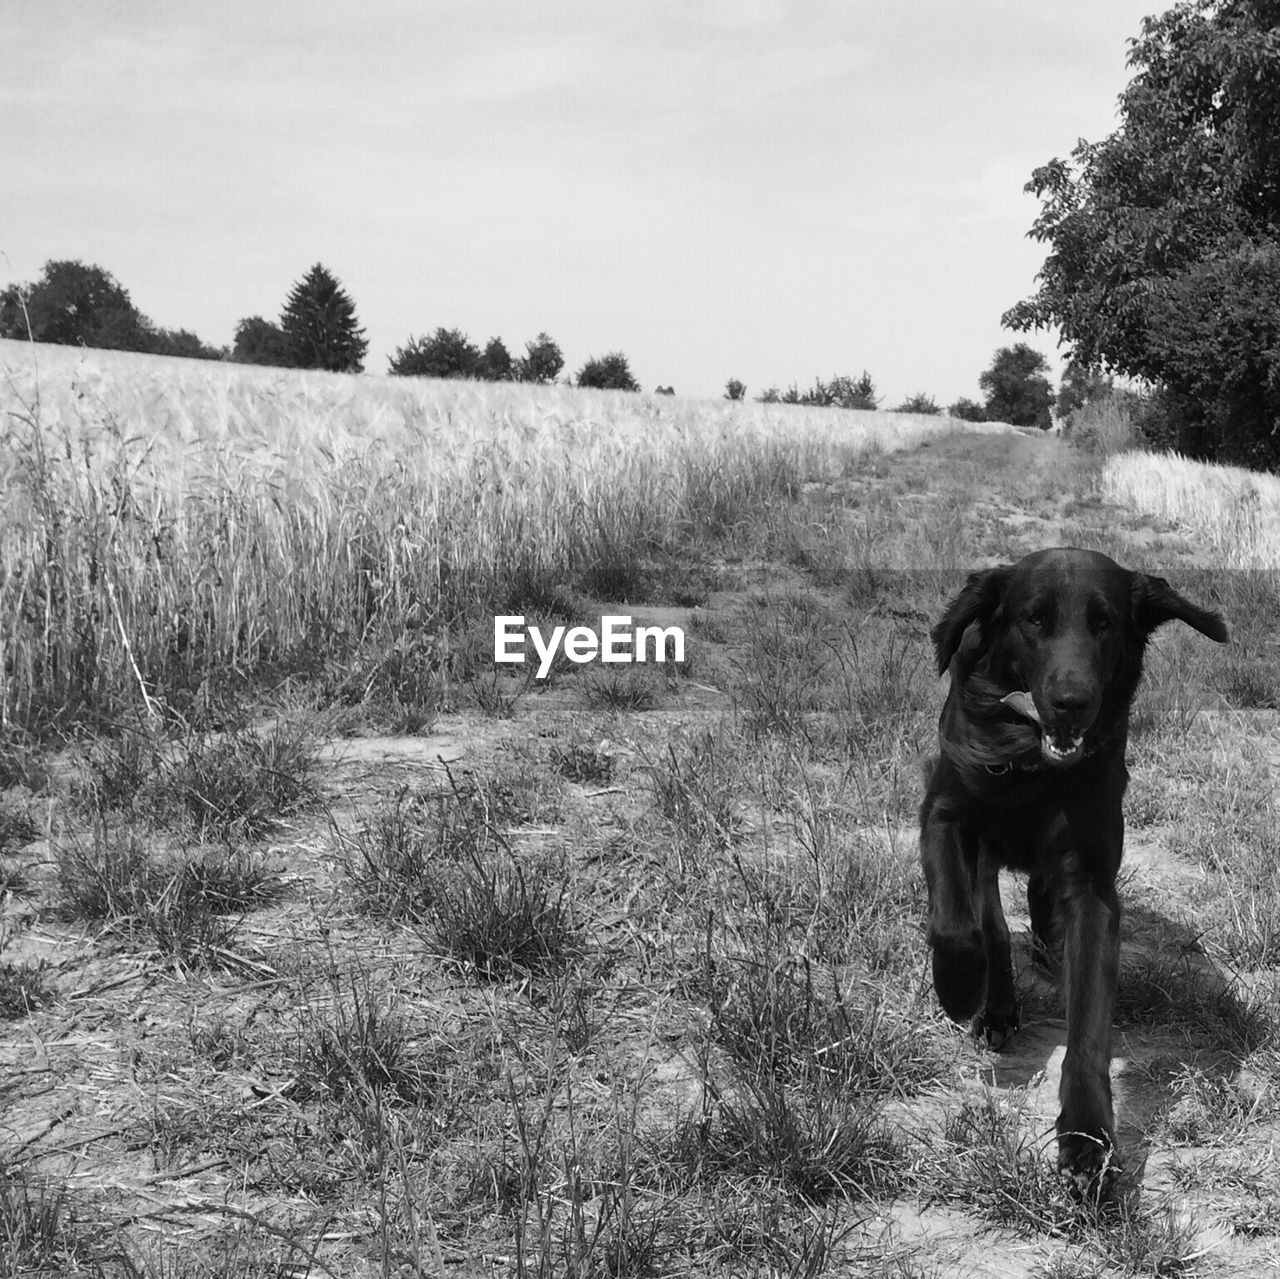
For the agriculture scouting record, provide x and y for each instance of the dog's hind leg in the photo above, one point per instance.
(950, 857)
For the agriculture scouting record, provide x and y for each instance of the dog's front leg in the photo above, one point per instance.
(999, 1019)
(1091, 964)
(950, 857)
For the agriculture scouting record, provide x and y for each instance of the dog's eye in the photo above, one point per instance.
(1036, 620)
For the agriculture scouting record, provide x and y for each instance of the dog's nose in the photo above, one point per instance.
(1069, 700)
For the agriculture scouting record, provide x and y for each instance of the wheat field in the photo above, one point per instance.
(170, 517)
(1235, 511)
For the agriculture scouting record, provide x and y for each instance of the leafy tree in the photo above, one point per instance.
(1017, 390)
(258, 341)
(1079, 385)
(734, 389)
(918, 403)
(446, 353)
(541, 362)
(184, 343)
(612, 373)
(841, 392)
(1164, 238)
(968, 411)
(496, 364)
(771, 396)
(319, 321)
(75, 305)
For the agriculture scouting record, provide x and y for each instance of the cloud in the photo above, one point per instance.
(504, 74)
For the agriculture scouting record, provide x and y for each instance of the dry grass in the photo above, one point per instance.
(1234, 512)
(168, 521)
(637, 985)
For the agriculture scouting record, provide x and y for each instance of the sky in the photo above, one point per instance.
(765, 190)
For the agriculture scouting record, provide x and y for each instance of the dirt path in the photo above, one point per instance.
(170, 1092)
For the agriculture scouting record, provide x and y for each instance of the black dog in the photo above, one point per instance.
(1045, 656)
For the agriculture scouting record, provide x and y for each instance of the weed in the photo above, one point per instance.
(585, 761)
(21, 762)
(23, 989)
(990, 1161)
(502, 917)
(358, 1048)
(693, 789)
(39, 1233)
(628, 691)
(819, 1141)
(17, 826)
(1211, 1110)
(497, 695)
(406, 855)
(240, 785)
(118, 770)
(181, 906)
(781, 1016)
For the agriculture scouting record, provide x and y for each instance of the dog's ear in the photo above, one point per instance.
(1156, 602)
(977, 602)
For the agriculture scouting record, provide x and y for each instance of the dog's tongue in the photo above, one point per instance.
(1022, 703)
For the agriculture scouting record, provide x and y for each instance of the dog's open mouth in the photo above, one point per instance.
(1061, 750)
(1056, 747)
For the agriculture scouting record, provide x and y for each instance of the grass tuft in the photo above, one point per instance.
(240, 785)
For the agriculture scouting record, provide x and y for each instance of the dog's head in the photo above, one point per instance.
(1063, 632)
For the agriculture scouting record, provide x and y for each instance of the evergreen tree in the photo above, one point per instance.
(496, 365)
(319, 324)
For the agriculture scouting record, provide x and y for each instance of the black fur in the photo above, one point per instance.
(1070, 628)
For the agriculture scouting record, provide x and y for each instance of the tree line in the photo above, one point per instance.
(1163, 268)
(74, 304)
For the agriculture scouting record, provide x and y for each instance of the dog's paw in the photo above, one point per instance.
(997, 1023)
(1089, 1162)
(960, 974)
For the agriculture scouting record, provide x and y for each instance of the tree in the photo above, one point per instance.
(541, 362)
(1017, 390)
(1164, 238)
(446, 353)
(842, 392)
(496, 364)
(319, 321)
(1079, 385)
(183, 343)
(75, 305)
(258, 341)
(968, 411)
(918, 403)
(612, 373)
(735, 390)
